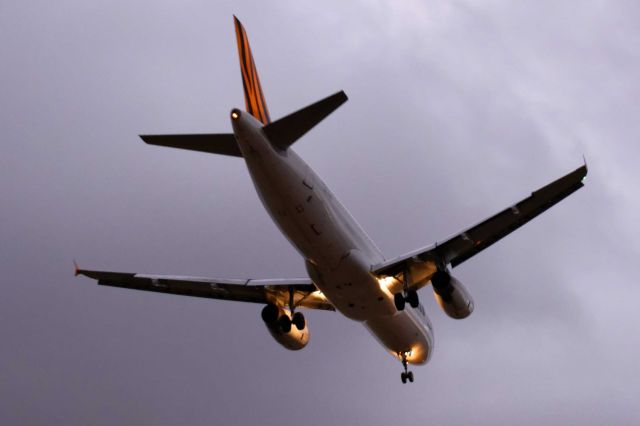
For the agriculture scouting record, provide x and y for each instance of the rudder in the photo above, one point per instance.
(253, 96)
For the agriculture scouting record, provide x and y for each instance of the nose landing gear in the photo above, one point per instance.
(406, 375)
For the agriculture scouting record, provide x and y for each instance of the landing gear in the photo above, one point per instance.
(406, 375)
(275, 317)
(408, 295)
(298, 320)
(285, 323)
(399, 301)
(412, 298)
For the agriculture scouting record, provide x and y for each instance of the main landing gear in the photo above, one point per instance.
(409, 295)
(297, 320)
(272, 315)
(406, 375)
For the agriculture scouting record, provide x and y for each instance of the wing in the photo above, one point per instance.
(277, 291)
(472, 241)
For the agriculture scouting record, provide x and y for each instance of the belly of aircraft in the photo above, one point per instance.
(338, 259)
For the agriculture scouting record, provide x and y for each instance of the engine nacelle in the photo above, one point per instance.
(451, 295)
(292, 333)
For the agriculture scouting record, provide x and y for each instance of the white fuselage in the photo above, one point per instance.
(337, 252)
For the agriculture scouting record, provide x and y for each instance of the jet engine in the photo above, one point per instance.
(289, 330)
(451, 295)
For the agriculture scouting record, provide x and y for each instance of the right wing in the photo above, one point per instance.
(472, 241)
(220, 143)
(277, 291)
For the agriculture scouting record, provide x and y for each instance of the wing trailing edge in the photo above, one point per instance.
(466, 244)
(279, 291)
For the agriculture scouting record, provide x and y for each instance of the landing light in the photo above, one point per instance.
(386, 282)
(235, 114)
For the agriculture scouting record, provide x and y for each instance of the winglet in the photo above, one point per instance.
(586, 168)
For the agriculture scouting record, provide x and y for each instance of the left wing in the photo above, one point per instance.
(281, 292)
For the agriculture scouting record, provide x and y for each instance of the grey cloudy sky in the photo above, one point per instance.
(457, 109)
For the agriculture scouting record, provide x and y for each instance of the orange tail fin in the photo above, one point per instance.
(253, 96)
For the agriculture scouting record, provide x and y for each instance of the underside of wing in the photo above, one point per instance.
(463, 245)
(301, 291)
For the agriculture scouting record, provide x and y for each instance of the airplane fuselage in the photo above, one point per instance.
(338, 253)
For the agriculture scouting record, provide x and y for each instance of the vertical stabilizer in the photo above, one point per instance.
(253, 96)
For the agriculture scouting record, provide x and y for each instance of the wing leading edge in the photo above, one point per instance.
(277, 291)
(472, 241)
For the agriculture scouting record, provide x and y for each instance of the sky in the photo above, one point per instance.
(457, 109)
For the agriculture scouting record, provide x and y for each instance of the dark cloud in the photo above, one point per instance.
(456, 110)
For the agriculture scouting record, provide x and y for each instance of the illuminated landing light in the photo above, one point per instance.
(407, 354)
(386, 282)
(235, 114)
(319, 295)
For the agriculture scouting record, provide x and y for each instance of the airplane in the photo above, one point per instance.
(347, 271)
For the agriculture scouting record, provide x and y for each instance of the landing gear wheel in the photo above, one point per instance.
(412, 298)
(405, 374)
(399, 301)
(298, 320)
(285, 323)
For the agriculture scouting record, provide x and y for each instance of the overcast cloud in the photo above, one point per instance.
(457, 109)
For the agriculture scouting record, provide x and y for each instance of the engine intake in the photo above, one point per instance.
(451, 295)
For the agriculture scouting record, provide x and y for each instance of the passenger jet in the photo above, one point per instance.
(347, 272)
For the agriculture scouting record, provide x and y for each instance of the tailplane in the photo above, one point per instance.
(285, 131)
(253, 96)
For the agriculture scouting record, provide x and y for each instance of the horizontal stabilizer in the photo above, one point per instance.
(284, 132)
(223, 143)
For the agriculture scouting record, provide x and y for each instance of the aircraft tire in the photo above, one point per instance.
(399, 301)
(285, 323)
(298, 320)
(412, 298)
